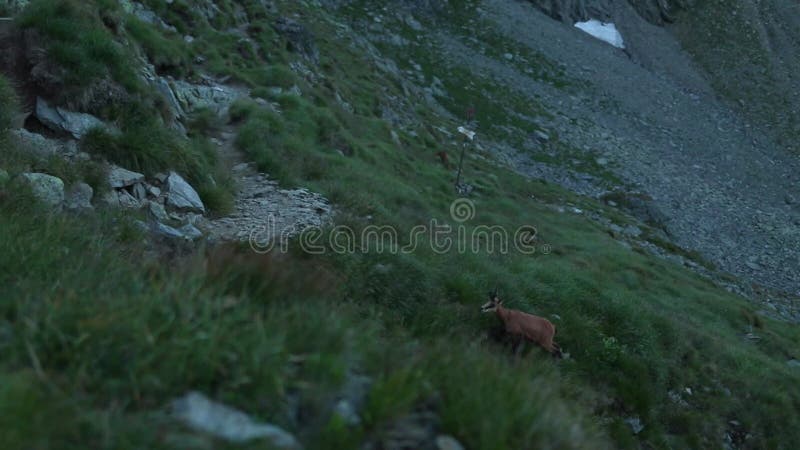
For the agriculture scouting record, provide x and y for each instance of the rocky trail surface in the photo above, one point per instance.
(262, 210)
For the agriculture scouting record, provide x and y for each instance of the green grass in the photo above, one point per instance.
(168, 53)
(8, 102)
(249, 314)
(78, 38)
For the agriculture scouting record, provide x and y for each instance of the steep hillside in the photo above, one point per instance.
(244, 224)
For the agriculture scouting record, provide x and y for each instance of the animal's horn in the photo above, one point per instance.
(494, 293)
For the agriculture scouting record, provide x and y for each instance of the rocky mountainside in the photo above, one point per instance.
(210, 214)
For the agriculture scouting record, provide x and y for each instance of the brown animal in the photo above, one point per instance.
(523, 326)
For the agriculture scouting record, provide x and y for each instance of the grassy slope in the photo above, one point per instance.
(93, 344)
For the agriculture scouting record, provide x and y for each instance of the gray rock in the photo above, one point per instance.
(190, 232)
(347, 412)
(3, 177)
(445, 442)
(632, 230)
(601, 161)
(152, 190)
(139, 191)
(163, 87)
(157, 211)
(413, 23)
(126, 200)
(166, 231)
(35, 144)
(635, 423)
(181, 195)
(46, 188)
(192, 97)
(199, 413)
(541, 136)
(61, 120)
(793, 363)
(119, 178)
(80, 197)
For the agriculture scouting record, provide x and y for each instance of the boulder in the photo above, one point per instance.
(190, 232)
(181, 195)
(80, 197)
(157, 211)
(119, 178)
(139, 191)
(191, 97)
(202, 414)
(126, 200)
(60, 120)
(167, 231)
(46, 188)
(35, 144)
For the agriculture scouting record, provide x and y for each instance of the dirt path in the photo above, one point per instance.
(262, 210)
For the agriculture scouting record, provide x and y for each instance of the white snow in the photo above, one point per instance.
(604, 31)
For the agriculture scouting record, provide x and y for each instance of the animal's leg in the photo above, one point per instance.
(520, 347)
(556, 350)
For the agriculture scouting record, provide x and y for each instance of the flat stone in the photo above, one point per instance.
(157, 211)
(119, 178)
(167, 231)
(60, 120)
(200, 413)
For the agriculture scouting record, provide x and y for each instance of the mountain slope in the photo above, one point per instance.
(102, 325)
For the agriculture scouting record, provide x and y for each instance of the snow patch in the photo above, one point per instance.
(604, 31)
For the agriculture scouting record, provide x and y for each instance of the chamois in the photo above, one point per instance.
(523, 326)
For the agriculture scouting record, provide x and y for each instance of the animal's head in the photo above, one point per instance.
(493, 303)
